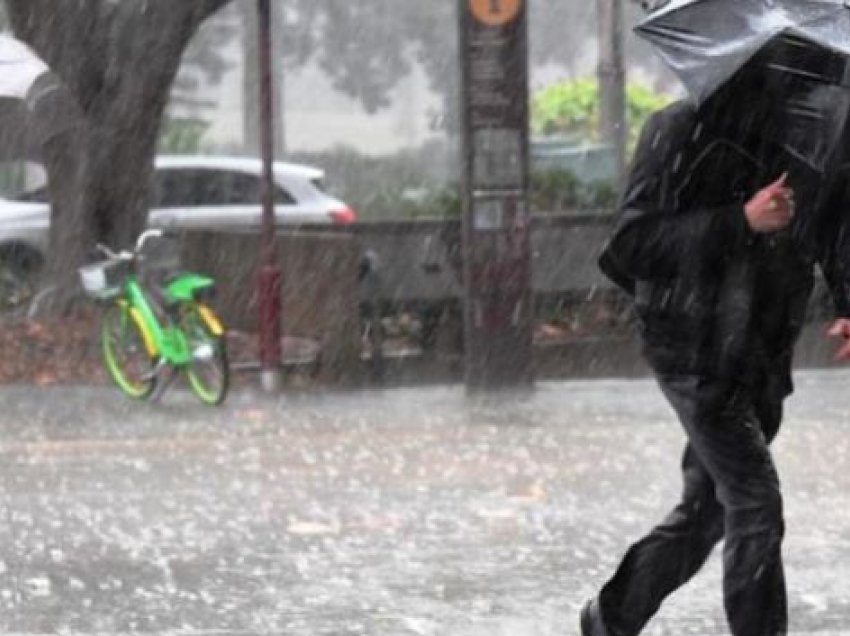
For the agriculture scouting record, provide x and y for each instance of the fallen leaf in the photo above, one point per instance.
(312, 528)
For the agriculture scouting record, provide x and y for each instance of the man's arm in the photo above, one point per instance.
(835, 259)
(653, 242)
(840, 328)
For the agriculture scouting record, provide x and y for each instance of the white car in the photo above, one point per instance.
(189, 192)
(225, 192)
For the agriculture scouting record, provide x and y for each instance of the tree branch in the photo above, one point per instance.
(208, 7)
(190, 13)
(55, 36)
(20, 14)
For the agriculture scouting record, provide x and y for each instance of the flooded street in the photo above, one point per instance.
(388, 193)
(412, 511)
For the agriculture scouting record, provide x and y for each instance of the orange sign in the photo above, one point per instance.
(495, 12)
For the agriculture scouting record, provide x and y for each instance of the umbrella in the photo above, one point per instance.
(782, 63)
(34, 106)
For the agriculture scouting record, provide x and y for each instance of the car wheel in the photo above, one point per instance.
(20, 269)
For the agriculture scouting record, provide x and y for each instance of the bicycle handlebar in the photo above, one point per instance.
(144, 236)
(125, 255)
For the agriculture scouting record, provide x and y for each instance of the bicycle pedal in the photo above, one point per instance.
(158, 367)
(163, 386)
(203, 352)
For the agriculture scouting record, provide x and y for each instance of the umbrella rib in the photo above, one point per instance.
(791, 70)
(677, 35)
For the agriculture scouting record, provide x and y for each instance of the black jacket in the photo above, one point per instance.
(714, 298)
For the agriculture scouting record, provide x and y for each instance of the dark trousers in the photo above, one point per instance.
(731, 491)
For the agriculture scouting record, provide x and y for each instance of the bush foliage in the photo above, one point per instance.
(182, 136)
(406, 185)
(571, 109)
(409, 184)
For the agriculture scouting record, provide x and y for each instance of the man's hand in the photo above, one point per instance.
(841, 329)
(771, 208)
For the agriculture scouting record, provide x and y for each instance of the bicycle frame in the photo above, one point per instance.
(182, 335)
(164, 341)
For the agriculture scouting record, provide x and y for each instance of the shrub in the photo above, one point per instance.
(407, 185)
(571, 109)
(182, 136)
(410, 183)
(560, 190)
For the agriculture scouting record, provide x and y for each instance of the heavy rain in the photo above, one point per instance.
(391, 318)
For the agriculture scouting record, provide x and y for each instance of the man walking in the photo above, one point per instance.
(719, 233)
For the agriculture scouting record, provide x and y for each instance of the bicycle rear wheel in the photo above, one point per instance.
(124, 353)
(208, 371)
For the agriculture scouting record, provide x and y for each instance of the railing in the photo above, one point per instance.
(420, 261)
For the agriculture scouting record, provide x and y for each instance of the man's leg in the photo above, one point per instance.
(725, 433)
(667, 557)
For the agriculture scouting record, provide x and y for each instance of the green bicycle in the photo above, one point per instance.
(143, 331)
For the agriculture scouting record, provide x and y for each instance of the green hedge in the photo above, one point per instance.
(407, 185)
(11, 177)
(571, 108)
(182, 136)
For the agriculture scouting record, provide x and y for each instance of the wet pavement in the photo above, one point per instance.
(399, 512)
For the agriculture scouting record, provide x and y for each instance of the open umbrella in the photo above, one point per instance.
(34, 107)
(792, 56)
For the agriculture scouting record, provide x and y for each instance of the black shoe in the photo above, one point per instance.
(591, 620)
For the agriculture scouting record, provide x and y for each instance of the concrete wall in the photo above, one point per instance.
(420, 260)
(319, 288)
(419, 266)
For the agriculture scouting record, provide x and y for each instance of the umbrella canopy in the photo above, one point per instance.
(781, 63)
(34, 107)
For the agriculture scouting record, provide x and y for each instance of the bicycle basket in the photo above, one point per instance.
(103, 280)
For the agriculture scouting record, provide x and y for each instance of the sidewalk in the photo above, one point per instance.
(387, 513)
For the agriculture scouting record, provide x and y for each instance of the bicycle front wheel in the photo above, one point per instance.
(208, 371)
(124, 353)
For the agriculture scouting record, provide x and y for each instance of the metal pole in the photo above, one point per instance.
(279, 78)
(612, 82)
(269, 279)
(496, 223)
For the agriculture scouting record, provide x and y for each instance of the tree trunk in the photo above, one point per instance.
(118, 62)
(71, 227)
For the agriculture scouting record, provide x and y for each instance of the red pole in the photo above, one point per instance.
(269, 279)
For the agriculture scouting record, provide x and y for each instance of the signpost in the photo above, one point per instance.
(496, 248)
